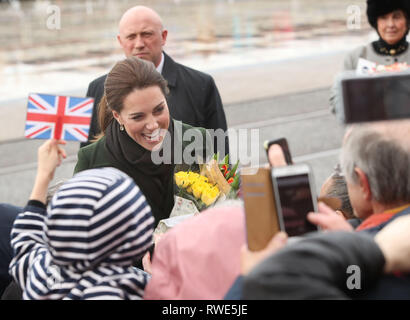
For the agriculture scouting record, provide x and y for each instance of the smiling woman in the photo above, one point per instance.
(136, 125)
(391, 20)
(145, 116)
(392, 27)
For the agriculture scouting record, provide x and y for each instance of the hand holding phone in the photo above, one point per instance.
(275, 200)
(295, 197)
(249, 259)
(327, 219)
(278, 156)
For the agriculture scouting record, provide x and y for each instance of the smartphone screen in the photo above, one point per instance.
(294, 201)
(376, 98)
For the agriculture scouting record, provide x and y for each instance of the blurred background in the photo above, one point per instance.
(273, 61)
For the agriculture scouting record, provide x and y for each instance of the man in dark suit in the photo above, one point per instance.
(194, 98)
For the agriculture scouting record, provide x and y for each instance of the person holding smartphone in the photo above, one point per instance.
(391, 20)
(375, 162)
(318, 267)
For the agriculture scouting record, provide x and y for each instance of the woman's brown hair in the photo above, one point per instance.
(126, 76)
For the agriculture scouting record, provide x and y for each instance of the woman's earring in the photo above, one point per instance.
(122, 127)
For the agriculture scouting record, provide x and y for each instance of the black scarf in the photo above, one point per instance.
(155, 181)
(385, 49)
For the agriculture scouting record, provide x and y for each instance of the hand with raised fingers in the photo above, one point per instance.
(49, 156)
(328, 219)
(276, 156)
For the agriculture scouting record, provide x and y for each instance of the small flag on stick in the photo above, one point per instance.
(58, 117)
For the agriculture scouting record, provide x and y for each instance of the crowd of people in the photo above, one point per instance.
(92, 237)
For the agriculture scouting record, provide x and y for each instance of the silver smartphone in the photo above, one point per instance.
(295, 197)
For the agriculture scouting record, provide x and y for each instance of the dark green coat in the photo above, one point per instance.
(96, 155)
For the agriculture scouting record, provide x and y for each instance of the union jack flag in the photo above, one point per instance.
(58, 117)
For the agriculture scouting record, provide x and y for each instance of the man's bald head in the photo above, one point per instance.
(142, 34)
(140, 12)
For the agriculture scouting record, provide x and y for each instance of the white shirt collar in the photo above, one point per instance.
(161, 64)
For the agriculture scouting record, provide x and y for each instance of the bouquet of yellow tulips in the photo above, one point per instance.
(198, 186)
(215, 181)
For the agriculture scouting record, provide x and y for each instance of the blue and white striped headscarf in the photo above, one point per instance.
(83, 247)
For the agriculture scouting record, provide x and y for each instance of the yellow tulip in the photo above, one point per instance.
(179, 178)
(182, 179)
(210, 195)
(192, 177)
(197, 185)
(203, 179)
(198, 188)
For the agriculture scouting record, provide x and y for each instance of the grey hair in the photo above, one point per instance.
(385, 160)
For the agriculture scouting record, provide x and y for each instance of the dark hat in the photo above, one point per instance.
(377, 8)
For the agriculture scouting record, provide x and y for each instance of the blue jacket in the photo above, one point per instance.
(8, 214)
(316, 268)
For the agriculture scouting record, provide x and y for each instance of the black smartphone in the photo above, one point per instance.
(295, 197)
(376, 97)
(283, 143)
